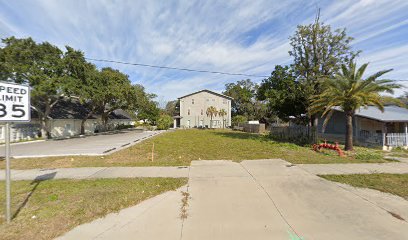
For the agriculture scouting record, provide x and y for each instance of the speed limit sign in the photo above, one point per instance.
(14, 103)
(14, 107)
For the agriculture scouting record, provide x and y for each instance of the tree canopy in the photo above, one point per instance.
(318, 52)
(349, 91)
(245, 102)
(284, 93)
(53, 74)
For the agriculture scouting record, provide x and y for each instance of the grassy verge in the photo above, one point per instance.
(181, 147)
(396, 184)
(47, 209)
(401, 153)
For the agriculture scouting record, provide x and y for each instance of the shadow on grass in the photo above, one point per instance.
(35, 182)
(240, 135)
(259, 137)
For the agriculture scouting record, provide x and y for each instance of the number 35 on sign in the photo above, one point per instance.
(14, 103)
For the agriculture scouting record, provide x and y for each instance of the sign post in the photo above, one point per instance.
(14, 107)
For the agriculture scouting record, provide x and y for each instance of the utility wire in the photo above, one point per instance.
(186, 69)
(175, 68)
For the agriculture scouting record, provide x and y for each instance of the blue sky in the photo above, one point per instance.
(240, 36)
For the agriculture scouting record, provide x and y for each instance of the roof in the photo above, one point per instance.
(70, 108)
(209, 91)
(119, 114)
(390, 114)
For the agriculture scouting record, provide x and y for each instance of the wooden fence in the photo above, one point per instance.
(299, 134)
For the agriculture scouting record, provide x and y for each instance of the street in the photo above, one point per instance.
(91, 145)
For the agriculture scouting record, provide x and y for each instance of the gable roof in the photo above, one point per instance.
(119, 114)
(390, 114)
(71, 108)
(209, 91)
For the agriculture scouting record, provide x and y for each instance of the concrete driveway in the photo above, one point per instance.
(259, 199)
(91, 145)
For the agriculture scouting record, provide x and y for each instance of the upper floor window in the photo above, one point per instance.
(188, 112)
(202, 112)
(208, 99)
(213, 100)
(192, 101)
(225, 101)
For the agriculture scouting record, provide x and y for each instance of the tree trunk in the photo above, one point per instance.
(211, 122)
(45, 121)
(104, 121)
(349, 131)
(83, 122)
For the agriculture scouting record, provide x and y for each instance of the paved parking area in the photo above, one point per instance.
(257, 199)
(91, 145)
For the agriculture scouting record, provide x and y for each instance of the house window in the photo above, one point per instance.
(188, 112)
(192, 101)
(213, 100)
(225, 101)
(202, 112)
(208, 99)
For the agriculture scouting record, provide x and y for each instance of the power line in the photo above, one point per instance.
(175, 68)
(187, 69)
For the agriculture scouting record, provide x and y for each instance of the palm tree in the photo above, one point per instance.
(222, 113)
(348, 91)
(211, 112)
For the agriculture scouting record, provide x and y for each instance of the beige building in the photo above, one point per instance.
(193, 110)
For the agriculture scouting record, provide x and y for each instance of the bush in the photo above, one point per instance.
(238, 119)
(123, 126)
(164, 122)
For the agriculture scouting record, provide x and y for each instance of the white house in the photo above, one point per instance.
(193, 110)
(65, 121)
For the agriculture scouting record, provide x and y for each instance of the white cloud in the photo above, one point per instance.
(248, 36)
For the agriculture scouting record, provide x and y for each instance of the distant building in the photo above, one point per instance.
(370, 126)
(193, 110)
(65, 121)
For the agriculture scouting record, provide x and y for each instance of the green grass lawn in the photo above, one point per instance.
(396, 184)
(180, 147)
(47, 209)
(401, 153)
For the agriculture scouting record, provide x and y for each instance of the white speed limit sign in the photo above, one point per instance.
(14, 103)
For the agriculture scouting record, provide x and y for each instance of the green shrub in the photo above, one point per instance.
(123, 126)
(238, 119)
(164, 122)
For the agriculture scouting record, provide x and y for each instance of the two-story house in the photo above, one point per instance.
(194, 106)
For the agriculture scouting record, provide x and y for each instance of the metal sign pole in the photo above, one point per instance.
(8, 179)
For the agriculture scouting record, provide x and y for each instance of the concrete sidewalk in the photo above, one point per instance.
(258, 199)
(96, 172)
(355, 168)
(129, 172)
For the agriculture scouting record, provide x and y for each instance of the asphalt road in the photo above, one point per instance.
(91, 145)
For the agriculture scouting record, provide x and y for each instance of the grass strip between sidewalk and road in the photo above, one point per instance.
(179, 148)
(47, 209)
(396, 184)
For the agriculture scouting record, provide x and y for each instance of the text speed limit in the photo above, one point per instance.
(14, 103)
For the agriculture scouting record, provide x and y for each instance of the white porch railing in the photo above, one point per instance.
(396, 139)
